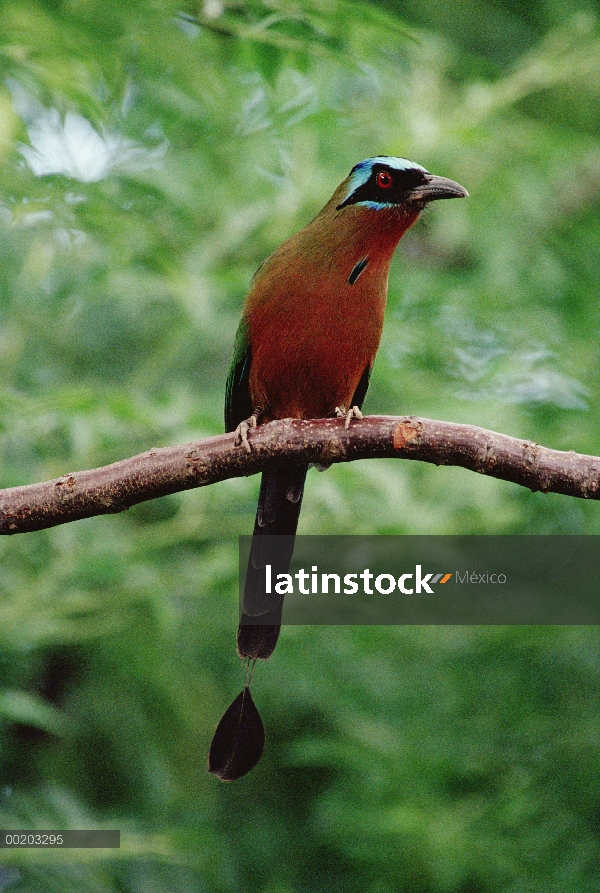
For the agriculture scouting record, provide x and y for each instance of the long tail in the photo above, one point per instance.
(239, 738)
(277, 515)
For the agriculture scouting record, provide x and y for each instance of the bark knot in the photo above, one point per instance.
(405, 432)
(65, 486)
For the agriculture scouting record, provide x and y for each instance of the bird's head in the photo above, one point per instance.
(379, 200)
(384, 183)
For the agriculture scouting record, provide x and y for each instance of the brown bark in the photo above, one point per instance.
(116, 487)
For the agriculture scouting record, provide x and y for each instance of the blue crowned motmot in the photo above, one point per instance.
(305, 348)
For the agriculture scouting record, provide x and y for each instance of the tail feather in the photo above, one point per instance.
(277, 515)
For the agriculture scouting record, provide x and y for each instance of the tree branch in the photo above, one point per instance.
(114, 488)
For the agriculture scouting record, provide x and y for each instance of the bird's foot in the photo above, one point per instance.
(241, 432)
(353, 413)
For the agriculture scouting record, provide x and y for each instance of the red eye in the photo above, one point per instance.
(384, 179)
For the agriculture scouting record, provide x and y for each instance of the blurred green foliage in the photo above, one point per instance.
(152, 155)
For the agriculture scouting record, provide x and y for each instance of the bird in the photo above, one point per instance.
(305, 347)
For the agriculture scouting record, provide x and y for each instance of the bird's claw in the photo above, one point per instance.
(241, 432)
(353, 413)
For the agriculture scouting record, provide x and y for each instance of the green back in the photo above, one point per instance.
(238, 405)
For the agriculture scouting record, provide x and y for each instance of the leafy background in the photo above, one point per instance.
(152, 154)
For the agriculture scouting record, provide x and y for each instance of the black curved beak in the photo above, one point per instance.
(434, 188)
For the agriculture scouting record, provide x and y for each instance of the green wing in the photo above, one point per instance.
(238, 405)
